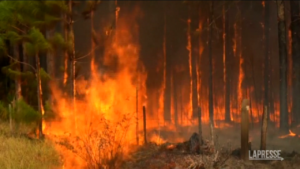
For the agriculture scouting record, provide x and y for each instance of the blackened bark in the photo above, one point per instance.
(228, 53)
(211, 108)
(295, 28)
(194, 13)
(282, 66)
(267, 55)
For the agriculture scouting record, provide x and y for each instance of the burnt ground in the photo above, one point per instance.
(226, 155)
(175, 154)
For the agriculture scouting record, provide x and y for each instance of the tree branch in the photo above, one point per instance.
(21, 62)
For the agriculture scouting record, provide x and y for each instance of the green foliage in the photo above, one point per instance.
(13, 74)
(2, 45)
(57, 41)
(37, 44)
(23, 113)
(14, 37)
(3, 111)
(45, 77)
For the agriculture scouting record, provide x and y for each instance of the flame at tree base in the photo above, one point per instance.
(105, 104)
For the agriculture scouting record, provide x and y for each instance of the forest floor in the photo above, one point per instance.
(18, 151)
(226, 155)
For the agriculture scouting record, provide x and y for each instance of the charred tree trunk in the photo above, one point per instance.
(267, 56)
(195, 54)
(211, 107)
(39, 95)
(18, 88)
(228, 53)
(282, 65)
(295, 28)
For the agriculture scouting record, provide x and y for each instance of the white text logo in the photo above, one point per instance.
(265, 155)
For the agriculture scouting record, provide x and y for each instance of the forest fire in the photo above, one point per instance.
(153, 78)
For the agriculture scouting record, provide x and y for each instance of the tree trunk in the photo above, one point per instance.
(194, 57)
(267, 55)
(175, 100)
(167, 74)
(18, 88)
(92, 43)
(282, 66)
(73, 61)
(211, 108)
(245, 129)
(39, 94)
(295, 28)
(228, 53)
(66, 56)
(50, 63)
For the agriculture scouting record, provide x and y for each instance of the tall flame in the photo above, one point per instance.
(102, 96)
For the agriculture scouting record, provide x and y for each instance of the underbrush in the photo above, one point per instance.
(21, 152)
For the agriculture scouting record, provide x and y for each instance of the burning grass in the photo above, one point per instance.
(20, 152)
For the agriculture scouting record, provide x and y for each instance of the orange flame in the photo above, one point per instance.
(291, 134)
(102, 96)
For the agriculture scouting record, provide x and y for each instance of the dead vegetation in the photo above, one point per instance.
(21, 152)
(169, 156)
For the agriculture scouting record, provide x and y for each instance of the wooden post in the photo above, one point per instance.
(212, 134)
(145, 129)
(263, 143)
(245, 130)
(10, 118)
(200, 126)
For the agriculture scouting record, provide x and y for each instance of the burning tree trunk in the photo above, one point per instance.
(72, 58)
(267, 54)
(211, 108)
(282, 65)
(227, 53)
(295, 28)
(194, 55)
(66, 56)
(39, 94)
(18, 89)
(92, 42)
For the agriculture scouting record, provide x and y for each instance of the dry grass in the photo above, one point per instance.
(20, 152)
